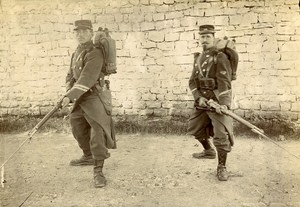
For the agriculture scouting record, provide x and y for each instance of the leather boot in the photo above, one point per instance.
(83, 160)
(222, 173)
(207, 153)
(99, 179)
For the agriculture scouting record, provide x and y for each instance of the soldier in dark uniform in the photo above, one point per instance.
(90, 118)
(211, 79)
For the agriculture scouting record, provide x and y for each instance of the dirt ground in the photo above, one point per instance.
(149, 170)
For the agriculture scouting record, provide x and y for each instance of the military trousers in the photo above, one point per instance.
(89, 134)
(203, 124)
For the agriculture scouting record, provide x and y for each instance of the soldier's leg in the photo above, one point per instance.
(99, 152)
(222, 144)
(200, 126)
(81, 132)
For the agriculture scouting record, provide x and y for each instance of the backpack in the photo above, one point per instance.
(103, 41)
(228, 47)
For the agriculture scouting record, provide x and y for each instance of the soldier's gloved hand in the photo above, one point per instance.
(219, 109)
(202, 102)
(65, 102)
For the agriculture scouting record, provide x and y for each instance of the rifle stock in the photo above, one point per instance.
(45, 118)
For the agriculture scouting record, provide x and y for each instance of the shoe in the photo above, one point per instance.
(99, 180)
(205, 154)
(84, 160)
(222, 173)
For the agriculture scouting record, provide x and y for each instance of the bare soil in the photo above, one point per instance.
(149, 170)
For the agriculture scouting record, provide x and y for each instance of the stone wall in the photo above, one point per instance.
(155, 41)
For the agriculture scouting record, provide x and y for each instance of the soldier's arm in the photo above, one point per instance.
(89, 75)
(192, 83)
(223, 75)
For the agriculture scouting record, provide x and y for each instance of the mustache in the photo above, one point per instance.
(204, 43)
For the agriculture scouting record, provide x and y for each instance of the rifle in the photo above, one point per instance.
(253, 128)
(45, 118)
(36, 128)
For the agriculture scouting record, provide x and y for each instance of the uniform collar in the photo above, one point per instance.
(86, 45)
(209, 50)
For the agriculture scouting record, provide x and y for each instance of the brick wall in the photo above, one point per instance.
(155, 41)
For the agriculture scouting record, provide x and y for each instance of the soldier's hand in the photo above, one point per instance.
(219, 109)
(202, 102)
(65, 102)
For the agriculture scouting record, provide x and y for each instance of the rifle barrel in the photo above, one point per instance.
(248, 124)
(35, 129)
(44, 119)
(243, 121)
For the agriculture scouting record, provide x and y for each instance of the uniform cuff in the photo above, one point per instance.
(73, 95)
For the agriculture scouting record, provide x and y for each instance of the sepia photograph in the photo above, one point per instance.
(150, 103)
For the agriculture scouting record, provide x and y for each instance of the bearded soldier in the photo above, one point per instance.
(211, 79)
(90, 118)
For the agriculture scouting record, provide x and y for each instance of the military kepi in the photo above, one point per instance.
(83, 24)
(207, 29)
